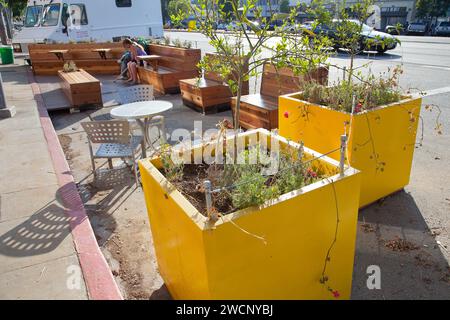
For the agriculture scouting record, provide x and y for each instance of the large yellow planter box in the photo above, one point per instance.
(381, 142)
(199, 259)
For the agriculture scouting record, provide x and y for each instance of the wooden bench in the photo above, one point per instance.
(261, 110)
(210, 93)
(81, 88)
(174, 64)
(95, 58)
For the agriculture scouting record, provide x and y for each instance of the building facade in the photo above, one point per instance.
(396, 11)
(269, 7)
(392, 11)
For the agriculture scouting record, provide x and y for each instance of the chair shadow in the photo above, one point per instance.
(419, 271)
(46, 228)
(102, 197)
(42, 232)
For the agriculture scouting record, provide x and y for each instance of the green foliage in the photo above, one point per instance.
(17, 6)
(432, 8)
(252, 190)
(242, 53)
(173, 171)
(178, 10)
(177, 43)
(284, 6)
(370, 92)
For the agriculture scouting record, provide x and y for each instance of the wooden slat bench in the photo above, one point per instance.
(85, 56)
(260, 110)
(81, 88)
(209, 93)
(174, 64)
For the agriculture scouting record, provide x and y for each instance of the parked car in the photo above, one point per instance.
(369, 38)
(417, 28)
(442, 29)
(394, 30)
(253, 25)
(307, 25)
(232, 26)
(291, 28)
(222, 26)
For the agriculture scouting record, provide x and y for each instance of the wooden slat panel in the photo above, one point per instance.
(47, 63)
(180, 59)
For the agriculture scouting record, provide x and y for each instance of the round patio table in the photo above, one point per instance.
(142, 112)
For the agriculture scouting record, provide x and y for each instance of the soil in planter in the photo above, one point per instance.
(191, 186)
(269, 187)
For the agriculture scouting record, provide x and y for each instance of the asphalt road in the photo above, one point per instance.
(420, 213)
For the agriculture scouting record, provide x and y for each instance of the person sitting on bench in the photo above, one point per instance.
(123, 61)
(135, 51)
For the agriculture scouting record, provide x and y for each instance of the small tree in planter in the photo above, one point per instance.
(380, 120)
(242, 51)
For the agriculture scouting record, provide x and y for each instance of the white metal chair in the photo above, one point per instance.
(140, 93)
(115, 141)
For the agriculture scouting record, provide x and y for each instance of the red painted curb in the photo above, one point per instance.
(97, 275)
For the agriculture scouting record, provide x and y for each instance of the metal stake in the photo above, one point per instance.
(343, 148)
(207, 186)
(353, 103)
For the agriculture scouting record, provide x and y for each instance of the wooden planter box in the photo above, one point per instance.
(381, 144)
(205, 94)
(175, 64)
(46, 63)
(81, 88)
(210, 93)
(199, 259)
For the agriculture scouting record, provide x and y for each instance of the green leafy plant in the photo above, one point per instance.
(177, 43)
(187, 44)
(167, 40)
(369, 93)
(172, 170)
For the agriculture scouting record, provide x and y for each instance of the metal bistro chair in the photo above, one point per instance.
(115, 141)
(140, 93)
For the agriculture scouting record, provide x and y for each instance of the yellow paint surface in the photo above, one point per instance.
(381, 143)
(198, 260)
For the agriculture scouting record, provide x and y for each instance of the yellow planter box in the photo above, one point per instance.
(199, 259)
(381, 142)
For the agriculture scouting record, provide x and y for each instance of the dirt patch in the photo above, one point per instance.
(400, 245)
(66, 141)
(368, 228)
(132, 281)
(120, 241)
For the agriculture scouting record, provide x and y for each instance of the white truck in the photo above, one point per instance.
(62, 21)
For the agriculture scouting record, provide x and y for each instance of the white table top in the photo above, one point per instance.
(138, 110)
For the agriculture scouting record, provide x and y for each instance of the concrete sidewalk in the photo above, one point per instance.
(47, 247)
(37, 254)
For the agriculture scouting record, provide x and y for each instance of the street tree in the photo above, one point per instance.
(432, 9)
(284, 6)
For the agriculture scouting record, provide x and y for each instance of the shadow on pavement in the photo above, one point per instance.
(42, 232)
(393, 235)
